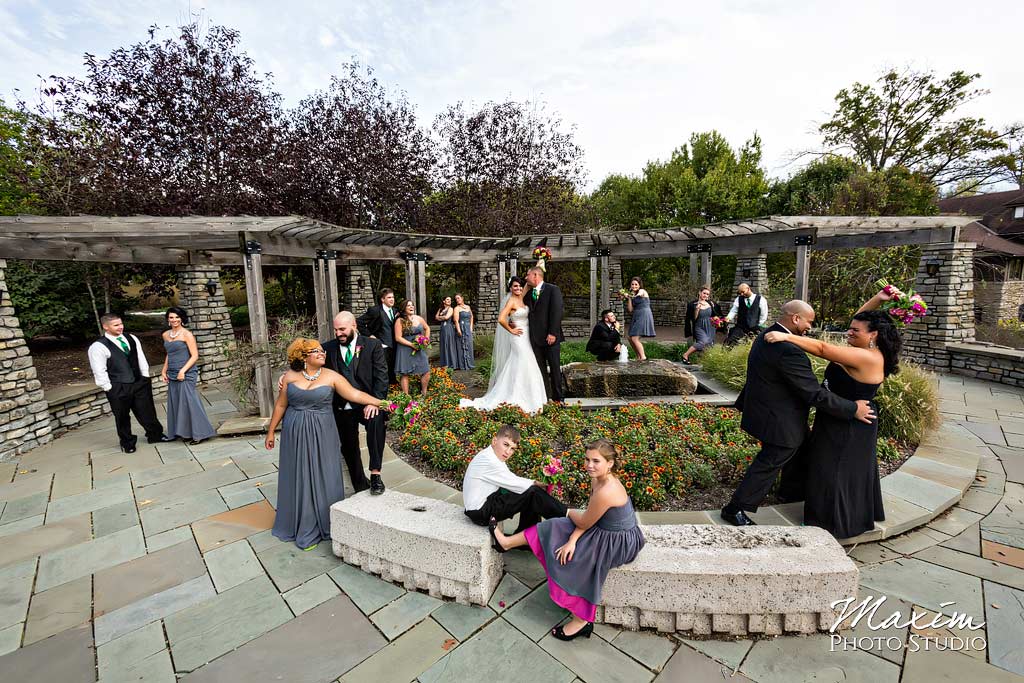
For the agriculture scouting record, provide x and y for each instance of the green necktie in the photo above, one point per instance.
(348, 355)
(124, 345)
(536, 294)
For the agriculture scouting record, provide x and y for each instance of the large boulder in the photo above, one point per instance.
(633, 378)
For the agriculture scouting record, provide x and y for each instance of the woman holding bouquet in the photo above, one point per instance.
(412, 335)
(844, 494)
(638, 303)
(701, 318)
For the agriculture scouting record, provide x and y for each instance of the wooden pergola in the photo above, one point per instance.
(253, 241)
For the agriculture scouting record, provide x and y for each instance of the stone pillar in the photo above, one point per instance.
(485, 308)
(615, 284)
(754, 271)
(24, 414)
(357, 293)
(949, 292)
(208, 318)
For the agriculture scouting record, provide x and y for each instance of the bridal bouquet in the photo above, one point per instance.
(903, 307)
(542, 254)
(717, 321)
(625, 293)
(554, 473)
(421, 342)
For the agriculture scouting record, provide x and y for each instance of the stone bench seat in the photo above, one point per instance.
(422, 543)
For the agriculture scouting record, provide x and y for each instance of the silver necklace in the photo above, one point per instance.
(314, 376)
(174, 335)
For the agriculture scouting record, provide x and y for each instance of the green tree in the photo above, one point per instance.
(15, 197)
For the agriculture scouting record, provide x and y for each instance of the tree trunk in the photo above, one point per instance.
(92, 298)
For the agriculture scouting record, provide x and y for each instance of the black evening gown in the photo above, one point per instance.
(844, 493)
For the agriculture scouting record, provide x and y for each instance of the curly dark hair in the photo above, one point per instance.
(889, 341)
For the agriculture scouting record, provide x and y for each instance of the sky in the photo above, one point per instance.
(634, 79)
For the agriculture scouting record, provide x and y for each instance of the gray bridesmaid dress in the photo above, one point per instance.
(464, 344)
(309, 478)
(407, 362)
(186, 417)
(448, 344)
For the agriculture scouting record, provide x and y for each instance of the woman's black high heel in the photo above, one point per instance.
(492, 524)
(559, 632)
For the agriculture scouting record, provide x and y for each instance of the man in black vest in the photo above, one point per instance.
(749, 312)
(363, 362)
(780, 391)
(379, 322)
(546, 306)
(605, 341)
(119, 367)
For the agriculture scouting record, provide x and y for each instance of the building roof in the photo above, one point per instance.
(996, 210)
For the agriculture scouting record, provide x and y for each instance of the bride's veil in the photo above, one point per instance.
(502, 345)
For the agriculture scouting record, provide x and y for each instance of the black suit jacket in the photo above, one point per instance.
(603, 341)
(780, 391)
(691, 309)
(374, 323)
(367, 372)
(545, 314)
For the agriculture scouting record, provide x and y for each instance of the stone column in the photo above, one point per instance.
(949, 292)
(485, 308)
(209, 319)
(754, 271)
(24, 415)
(615, 284)
(357, 293)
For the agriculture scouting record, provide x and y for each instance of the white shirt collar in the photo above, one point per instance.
(352, 341)
(785, 328)
(114, 338)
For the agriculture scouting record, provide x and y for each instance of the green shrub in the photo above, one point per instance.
(1006, 332)
(240, 316)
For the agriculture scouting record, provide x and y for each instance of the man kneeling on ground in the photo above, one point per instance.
(490, 489)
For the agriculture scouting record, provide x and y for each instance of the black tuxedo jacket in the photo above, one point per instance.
(780, 391)
(374, 323)
(603, 341)
(691, 309)
(545, 314)
(368, 371)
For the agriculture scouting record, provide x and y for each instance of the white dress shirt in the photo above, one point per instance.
(762, 318)
(351, 345)
(99, 353)
(485, 475)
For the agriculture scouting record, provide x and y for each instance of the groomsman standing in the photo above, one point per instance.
(120, 369)
(749, 312)
(379, 322)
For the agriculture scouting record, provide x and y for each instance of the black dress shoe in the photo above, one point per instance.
(559, 632)
(376, 485)
(128, 449)
(738, 518)
(492, 524)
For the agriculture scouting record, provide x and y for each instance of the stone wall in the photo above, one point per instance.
(995, 301)
(950, 298)
(987, 362)
(355, 297)
(73, 407)
(209, 319)
(24, 422)
(666, 313)
(757, 267)
(485, 308)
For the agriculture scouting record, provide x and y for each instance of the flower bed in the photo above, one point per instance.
(667, 450)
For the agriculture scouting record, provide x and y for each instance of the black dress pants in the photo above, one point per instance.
(390, 352)
(136, 398)
(762, 473)
(737, 333)
(532, 505)
(348, 422)
(549, 359)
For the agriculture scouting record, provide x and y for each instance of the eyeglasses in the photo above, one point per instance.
(317, 351)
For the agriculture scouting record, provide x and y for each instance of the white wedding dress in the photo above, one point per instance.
(515, 375)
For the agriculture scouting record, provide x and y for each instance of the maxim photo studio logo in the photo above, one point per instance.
(928, 631)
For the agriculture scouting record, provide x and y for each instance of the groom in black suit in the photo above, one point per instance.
(545, 302)
(780, 391)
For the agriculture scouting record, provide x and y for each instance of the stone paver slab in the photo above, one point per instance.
(989, 433)
(153, 608)
(173, 470)
(316, 647)
(921, 492)
(1012, 461)
(119, 464)
(492, 654)
(205, 631)
(256, 464)
(190, 484)
(462, 621)
(593, 661)
(165, 539)
(1006, 528)
(15, 591)
(508, 592)
(910, 543)
(20, 525)
(728, 652)
(946, 666)
(975, 566)
(24, 508)
(158, 571)
(940, 472)
(59, 609)
(404, 613)
(942, 631)
(979, 501)
(232, 565)
(10, 638)
(233, 525)
(25, 486)
(367, 591)
(158, 517)
(130, 649)
(923, 583)
(66, 657)
(901, 515)
(955, 520)
(997, 552)
(240, 498)
(525, 567)
(535, 614)
(68, 564)
(872, 553)
(289, 567)
(405, 658)
(310, 594)
(87, 502)
(687, 665)
(157, 668)
(1004, 614)
(650, 649)
(785, 660)
(118, 517)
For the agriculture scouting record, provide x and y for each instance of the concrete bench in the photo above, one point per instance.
(419, 542)
(737, 580)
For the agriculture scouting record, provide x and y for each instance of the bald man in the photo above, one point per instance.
(363, 362)
(780, 391)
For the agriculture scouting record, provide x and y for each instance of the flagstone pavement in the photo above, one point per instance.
(160, 566)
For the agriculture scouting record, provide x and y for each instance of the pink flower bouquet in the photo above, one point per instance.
(717, 321)
(903, 307)
(421, 342)
(554, 473)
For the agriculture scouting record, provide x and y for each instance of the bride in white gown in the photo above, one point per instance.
(515, 376)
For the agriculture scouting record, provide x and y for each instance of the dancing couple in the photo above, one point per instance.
(525, 363)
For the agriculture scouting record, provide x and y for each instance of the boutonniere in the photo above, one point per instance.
(359, 349)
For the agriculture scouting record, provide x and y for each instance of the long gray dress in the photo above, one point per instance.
(186, 417)
(703, 330)
(309, 476)
(464, 350)
(407, 362)
(447, 344)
